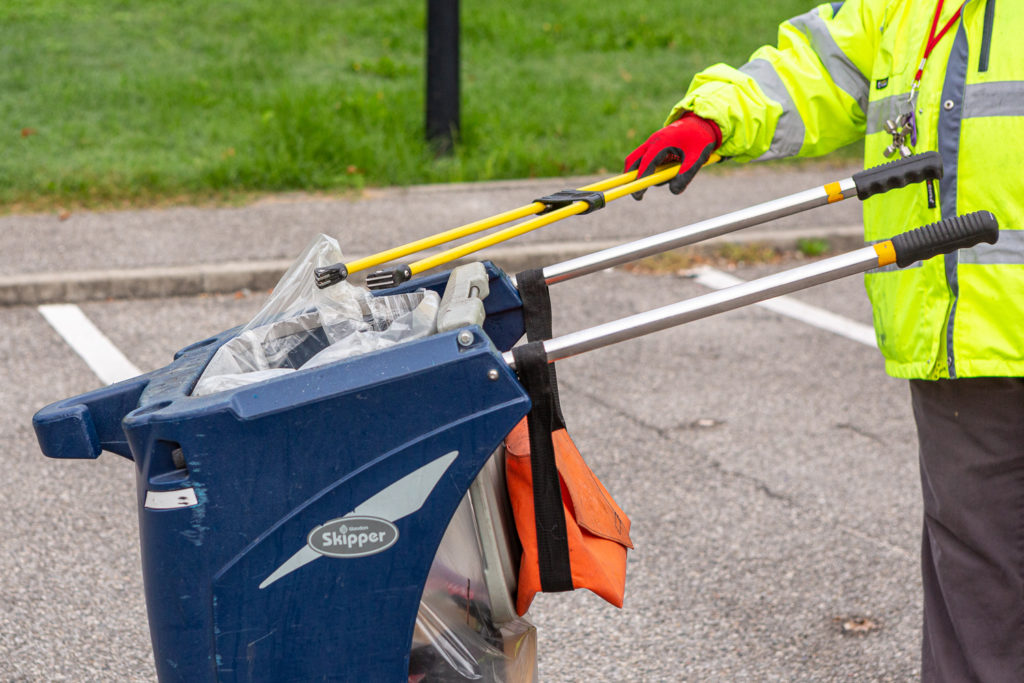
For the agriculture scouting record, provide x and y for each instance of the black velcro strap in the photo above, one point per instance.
(536, 298)
(595, 200)
(549, 516)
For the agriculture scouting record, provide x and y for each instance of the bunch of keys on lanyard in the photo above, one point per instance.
(904, 128)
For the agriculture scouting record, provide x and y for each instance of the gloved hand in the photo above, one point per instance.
(689, 140)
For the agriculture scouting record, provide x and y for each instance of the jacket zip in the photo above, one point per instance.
(950, 115)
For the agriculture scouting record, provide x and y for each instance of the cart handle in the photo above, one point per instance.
(897, 174)
(922, 243)
(867, 183)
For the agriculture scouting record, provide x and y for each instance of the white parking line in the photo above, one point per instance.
(812, 315)
(98, 352)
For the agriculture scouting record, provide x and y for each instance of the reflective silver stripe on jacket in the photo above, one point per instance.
(843, 72)
(790, 130)
(1008, 250)
(885, 109)
(998, 98)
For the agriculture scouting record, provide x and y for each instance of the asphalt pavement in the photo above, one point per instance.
(768, 465)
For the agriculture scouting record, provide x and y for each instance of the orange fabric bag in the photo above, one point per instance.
(572, 533)
(597, 528)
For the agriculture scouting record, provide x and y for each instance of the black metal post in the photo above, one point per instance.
(442, 73)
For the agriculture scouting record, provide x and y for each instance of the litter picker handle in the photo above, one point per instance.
(864, 184)
(902, 250)
(899, 173)
(944, 237)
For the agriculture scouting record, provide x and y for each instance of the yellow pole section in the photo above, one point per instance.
(490, 240)
(657, 177)
(442, 237)
(474, 227)
(614, 181)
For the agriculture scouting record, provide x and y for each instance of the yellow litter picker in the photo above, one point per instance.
(547, 209)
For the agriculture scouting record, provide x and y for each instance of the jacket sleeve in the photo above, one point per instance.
(805, 97)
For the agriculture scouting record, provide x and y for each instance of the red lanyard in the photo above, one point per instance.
(933, 39)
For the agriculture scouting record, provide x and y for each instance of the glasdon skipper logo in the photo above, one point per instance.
(368, 528)
(353, 537)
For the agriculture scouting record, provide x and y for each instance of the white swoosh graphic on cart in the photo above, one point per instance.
(398, 500)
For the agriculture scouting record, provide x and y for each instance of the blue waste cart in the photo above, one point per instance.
(288, 527)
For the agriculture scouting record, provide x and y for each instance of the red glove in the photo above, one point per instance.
(688, 141)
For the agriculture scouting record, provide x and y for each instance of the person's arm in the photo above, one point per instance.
(805, 97)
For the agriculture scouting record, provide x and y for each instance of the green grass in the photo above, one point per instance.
(812, 246)
(729, 254)
(142, 101)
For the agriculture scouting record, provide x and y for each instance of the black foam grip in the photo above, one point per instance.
(899, 173)
(945, 236)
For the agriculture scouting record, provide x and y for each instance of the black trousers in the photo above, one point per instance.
(971, 436)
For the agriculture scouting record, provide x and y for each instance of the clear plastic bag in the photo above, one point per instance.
(465, 629)
(448, 651)
(302, 326)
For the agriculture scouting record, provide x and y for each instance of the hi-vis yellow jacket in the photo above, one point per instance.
(838, 73)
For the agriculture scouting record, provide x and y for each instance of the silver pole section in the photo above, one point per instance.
(712, 227)
(795, 279)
